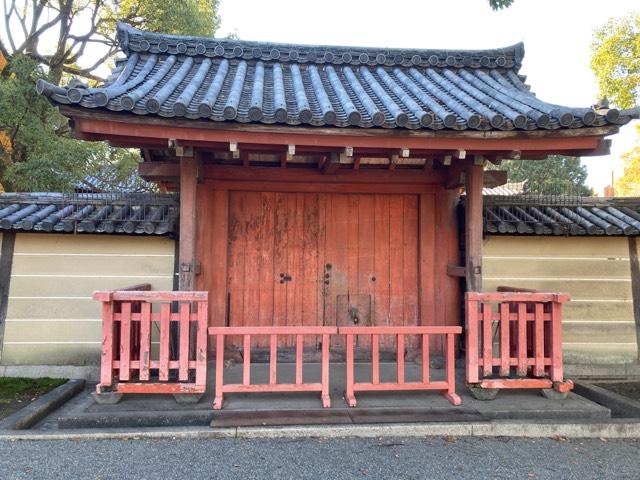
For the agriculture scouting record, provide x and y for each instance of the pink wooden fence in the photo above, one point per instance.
(446, 386)
(131, 318)
(272, 386)
(514, 340)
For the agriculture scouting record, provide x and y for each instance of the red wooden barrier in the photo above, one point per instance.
(273, 385)
(129, 364)
(514, 340)
(446, 386)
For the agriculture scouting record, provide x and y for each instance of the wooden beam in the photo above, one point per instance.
(6, 261)
(79, 113)
(271, 174)
(473, 227)
(329, 187)
(336, 138)
(187, 247)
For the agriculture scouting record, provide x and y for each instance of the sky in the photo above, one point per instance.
(557, 36)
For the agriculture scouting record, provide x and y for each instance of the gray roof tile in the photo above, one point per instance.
(130, 214)
(520, 215)
(240, 81)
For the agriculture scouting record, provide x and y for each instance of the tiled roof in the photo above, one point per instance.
(229, 80)
(586, 216)
(509, 188)
(150, 214)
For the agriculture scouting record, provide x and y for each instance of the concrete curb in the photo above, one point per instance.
(619, 405)
(623, 428)
(31, 414)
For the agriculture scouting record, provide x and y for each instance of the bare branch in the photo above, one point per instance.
(82, 72)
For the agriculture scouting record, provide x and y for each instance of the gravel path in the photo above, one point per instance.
(433, 458)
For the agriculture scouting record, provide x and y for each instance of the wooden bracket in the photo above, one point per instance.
(456, 270)
(234, 149)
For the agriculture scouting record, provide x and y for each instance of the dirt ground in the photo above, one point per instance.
(627, 389)
(15, 393)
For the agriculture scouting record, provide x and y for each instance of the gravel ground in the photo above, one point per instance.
(433, 458)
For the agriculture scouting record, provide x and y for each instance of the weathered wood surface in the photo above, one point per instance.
(188, 221)
(291, 256)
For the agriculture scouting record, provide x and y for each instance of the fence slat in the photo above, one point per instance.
(185, 333)
(425, 358)
(400, 358)
(273, 360)
(106, 359)
(326, 399)
(487, 339)
(538, 370)
(125, 341)
(471, 350)
(201, 345)
(349, 393)
(246, 357)
(556, 343)
(145, 340)
(219, 394)
(299, 358)
(165, 321)
(505, 347)
(522, 340)
(375, 358)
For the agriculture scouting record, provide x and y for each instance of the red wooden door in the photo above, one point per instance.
(314, 259)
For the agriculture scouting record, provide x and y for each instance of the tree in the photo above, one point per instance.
(40, 155)
(556, 175)
(500, 4)
(628, 185)
(37, 152)
(75, 25)
(615, 59)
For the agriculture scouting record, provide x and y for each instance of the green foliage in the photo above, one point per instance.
(555, 175)
(186, 17)
(500, 4)
(615, 59)
(40, 154)
(37, 152)
(12, 386)
(628, 185)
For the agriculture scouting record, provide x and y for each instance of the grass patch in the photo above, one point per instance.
(16, 393)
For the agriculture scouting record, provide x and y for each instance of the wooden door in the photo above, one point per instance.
(314, 259)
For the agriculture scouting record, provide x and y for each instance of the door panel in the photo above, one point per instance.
(308, 259)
